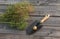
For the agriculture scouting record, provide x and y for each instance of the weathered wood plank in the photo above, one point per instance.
(43, 34)
(41, 37)
(51, 27)
(53, 10)
(47, 8)
(51, 20)
(34, 2)
(46, 37)
(3, 6)
(45, 2)
(48, 33)
(55, 34)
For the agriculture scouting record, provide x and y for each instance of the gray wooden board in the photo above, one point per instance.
(47, 8)
(45, 2)
(51, 20)
(25, 37)
(50, 29)
(34, 2)
(3, 6)
(53, 10)
(37, 36)
(45, 34)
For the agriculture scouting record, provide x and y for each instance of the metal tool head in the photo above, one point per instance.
(30, 29)
(36, 25)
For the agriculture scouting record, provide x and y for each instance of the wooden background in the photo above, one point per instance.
(51, 28)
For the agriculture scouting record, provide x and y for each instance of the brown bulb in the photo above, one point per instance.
(35, 28)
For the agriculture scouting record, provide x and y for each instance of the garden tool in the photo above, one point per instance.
(36, 25)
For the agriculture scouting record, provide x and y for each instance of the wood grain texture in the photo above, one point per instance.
(40, 10)
(50, 29)
(51, 20)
